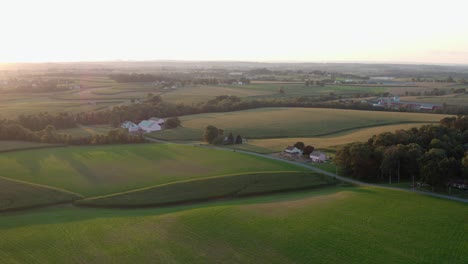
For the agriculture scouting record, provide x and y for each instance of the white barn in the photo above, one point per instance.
(149, 126)
(293, 150)
(318, 156)
(132, 127)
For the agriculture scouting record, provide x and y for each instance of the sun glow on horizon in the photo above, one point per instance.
(294, 30)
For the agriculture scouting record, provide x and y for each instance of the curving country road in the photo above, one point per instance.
(341, 178)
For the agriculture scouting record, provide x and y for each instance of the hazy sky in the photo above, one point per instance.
(291, 30)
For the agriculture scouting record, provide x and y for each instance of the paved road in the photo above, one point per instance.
(341, 178)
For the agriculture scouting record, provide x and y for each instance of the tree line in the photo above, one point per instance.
(215, 136)
(432, 154)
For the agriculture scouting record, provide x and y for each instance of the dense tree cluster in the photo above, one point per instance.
(215, 136)
(306, 150)
(172, 122)
(431, 154)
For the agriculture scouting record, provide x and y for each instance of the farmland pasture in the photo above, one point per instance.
(289, 122)
(197, 94)
(16, 195)
(100, 170)
(13, 145)
(85, 131)
(227, 186)
(33, 105)
(332, 225)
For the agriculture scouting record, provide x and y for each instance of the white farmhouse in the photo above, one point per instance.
(293, 150)
(149, 126)
(318, 156)
(132, 127)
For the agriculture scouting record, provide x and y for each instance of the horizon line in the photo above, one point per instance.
(244, 61)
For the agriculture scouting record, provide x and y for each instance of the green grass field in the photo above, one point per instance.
(288, 122)
(13, 145)
(86, 131)
(299, 89)
(228, 186)
(16, 195)
(196, 94)
(36, 104)
(331, 225)
(101, 170)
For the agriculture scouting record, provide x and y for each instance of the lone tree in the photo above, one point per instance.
(238, 139)
(230, 139)
(300, 145)
(211, 133)
(172, 122)
(307, 150)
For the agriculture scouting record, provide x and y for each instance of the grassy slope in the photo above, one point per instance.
(101, 170)
(12, 145)
(213, 187)
(16, 195)
(333, 225)
(288, 122)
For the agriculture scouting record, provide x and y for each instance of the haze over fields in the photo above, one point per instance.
(298, 30)
(248, 131)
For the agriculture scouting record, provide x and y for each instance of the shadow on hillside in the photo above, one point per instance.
(68, 213)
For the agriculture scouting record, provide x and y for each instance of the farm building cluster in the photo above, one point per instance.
(145, 126)
(315, 156)
(394, 102)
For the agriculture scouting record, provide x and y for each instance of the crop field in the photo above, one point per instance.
(228, 186)
(12, 109)
(325, 142)
(330, 225)
(95, 94)
(85, 131)
(299, 89)
(106, 94)
(196, 94)
(13, 145)
(458, 99)
(289, 122)
(101, 170)
(16, 195)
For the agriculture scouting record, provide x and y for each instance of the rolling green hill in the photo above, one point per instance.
(288, 122)
(228, 186)
(332, 225)
(101, 170)
(17, 195)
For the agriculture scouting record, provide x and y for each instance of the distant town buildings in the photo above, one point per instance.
(394, 102)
